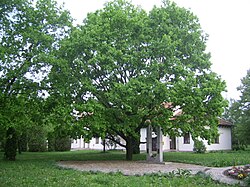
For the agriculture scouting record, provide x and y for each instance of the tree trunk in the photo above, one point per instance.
(136, 145)
(104, 145)
(129, 149)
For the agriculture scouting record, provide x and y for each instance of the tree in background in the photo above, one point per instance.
(11, 144)
(239, 112)
(127, 64)
(30, 32)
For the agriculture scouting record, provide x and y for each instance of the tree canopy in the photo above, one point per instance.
(30, 32)
(110, 76)
(126, 63)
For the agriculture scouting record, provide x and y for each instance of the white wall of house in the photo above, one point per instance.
(94, 143)
(185, 146)
(225, 140)
(143, 131)
(166, 143)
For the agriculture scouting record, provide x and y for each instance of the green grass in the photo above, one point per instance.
(214, 159)
(40, 169)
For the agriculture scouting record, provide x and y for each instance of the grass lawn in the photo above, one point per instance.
(214, 159)
(40, 169)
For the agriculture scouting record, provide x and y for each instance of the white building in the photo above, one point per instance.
(94, 143)
(186, 143)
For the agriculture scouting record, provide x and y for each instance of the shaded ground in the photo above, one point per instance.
(140, 168)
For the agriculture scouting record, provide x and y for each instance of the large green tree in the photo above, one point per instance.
(29, 35)
(128, 63)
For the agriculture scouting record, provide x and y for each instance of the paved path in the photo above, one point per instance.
(140, 168)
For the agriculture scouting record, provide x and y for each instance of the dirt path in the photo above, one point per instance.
(129, 167)
(140, 168)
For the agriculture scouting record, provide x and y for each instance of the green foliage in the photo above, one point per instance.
(37, 141)
(125, 63)
(2, 137)
(238, 146)
(11, 144)
(62, 143)
(23, 142)
(239, 113)
(59, 140)
(51, 142)
(199, 146)
(30, 34)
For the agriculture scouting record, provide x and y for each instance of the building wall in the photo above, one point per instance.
(166, 143)
(225, 140)
(143, 131)
(94, 143)
(183, 146)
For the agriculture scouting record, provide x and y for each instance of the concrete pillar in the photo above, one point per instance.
(159, 157)
(80, 143)
(149, 143)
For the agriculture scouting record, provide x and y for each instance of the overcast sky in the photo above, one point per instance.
(225, 21)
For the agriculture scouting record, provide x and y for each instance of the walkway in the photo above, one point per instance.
(140, 168)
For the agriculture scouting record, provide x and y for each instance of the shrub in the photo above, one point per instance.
(11, 144)
(23, 142)
(199, 146)
(62, 143)
(51, 142)
(59, 140)
(239, 146)
(37, 139)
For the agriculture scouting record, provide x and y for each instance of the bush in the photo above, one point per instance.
(62, 143)
(37, 139)
(11, 144)
(59, 140)
(199, 147)
(238, 147)
(23, 142)
(51, 142)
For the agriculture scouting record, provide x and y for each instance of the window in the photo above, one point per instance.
(216, 140)
(186, 138)
(97, 140)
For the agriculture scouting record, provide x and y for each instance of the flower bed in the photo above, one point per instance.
(238, 172)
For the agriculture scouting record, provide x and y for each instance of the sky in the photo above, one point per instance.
(225, 21)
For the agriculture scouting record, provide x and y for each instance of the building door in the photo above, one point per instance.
(173, 142)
